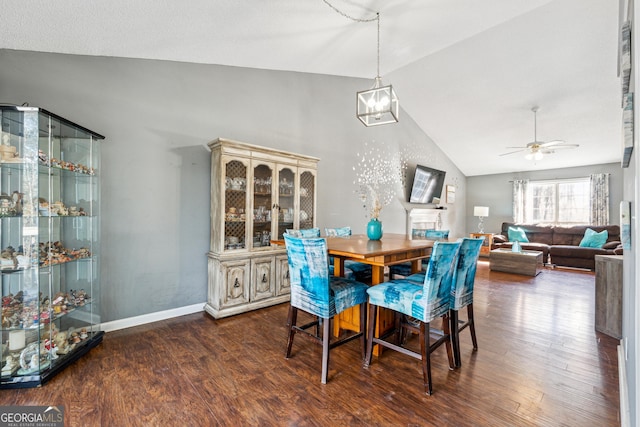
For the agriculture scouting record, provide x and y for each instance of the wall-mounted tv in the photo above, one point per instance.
(427, 184)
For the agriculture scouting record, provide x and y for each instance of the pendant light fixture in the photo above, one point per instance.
(378, 105)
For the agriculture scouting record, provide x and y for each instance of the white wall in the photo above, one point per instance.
(157, 117)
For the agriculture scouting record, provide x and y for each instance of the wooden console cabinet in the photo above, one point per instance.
(609, 295)
(485, 249)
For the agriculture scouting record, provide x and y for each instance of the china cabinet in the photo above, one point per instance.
(49, 234)
(257, 193)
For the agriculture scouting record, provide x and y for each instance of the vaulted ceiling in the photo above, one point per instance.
(468, 72)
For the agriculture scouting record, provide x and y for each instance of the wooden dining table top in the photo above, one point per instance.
(359, 246)
(392, 249)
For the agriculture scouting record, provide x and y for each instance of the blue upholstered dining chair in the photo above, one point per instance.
(423, 302)
(314, 291)
(352, 269)
(404, 269)
(462, 293)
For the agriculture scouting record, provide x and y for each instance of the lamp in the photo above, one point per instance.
(481, 212)
(378, 105)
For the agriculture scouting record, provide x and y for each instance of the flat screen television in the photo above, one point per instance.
(427, 184)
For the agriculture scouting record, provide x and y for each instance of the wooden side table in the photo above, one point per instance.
(485, 249)
(609, 295)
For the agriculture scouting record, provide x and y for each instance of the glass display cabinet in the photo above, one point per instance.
(256, 195)
(49, 234)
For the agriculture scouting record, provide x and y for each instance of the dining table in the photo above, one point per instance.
(391, 249)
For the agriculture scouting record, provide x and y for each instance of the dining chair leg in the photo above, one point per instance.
(292, 318)
(455, 337)
(472, 326)
(371, 326)
(363, 329)
(446, 330)
(425, 353)
(326, 335)
(397, 318)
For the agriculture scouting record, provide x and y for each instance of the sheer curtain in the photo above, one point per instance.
(519, 199)
(599, 199)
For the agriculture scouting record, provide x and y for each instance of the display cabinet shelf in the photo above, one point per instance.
(49, 244)
(245, 271)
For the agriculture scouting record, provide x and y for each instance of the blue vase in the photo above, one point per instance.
(374, 229)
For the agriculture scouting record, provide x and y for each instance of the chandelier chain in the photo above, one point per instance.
(377, 18)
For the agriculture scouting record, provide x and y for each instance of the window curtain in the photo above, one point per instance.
(519, 199)
(599, 199)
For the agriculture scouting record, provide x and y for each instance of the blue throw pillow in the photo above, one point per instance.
(517, 235)
(593, 239)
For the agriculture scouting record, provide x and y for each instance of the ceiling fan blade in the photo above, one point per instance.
(551, 143)
(512, 152)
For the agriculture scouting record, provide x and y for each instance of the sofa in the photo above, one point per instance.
(560, 246)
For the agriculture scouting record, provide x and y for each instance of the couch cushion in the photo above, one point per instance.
(535, 233)
(517, 234)
(593, 239)
(573, 235)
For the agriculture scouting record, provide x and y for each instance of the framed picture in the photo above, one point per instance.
(451, 194)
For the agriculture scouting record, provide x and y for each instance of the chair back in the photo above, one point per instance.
(431, 234)
(309, 275)
(338, 232)
(465, 274)
(438, 279)
(306, 232)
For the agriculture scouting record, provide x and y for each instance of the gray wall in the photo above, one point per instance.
(158, 116)
(495, 191)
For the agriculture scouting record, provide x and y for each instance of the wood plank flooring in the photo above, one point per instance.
(540, 363)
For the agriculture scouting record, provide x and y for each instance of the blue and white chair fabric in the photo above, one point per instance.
(352, 269)
(306, 232)
(314, 291)
(423, 302)
(404, 269)
(462, 293)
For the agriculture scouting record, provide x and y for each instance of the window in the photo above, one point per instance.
(559, 202)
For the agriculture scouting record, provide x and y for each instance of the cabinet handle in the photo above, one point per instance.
(264, 278)
(236, 284)
(286, 276)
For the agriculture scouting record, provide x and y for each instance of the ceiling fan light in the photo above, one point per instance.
(528, 156)
(537, 156)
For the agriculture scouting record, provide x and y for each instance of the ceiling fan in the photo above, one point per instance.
(536, 150)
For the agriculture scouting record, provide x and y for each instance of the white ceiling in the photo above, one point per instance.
(467, 71)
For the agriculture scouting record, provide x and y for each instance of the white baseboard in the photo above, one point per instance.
(624, 389)
(151, 317)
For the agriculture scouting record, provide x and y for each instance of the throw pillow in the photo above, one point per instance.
(593, 239)
(517, 235)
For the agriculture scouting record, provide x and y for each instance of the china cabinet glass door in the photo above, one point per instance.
(235, 205)
(286, 200)
(263, 203)
(307, 199)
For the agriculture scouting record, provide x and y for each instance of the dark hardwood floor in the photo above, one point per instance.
(539, 363)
